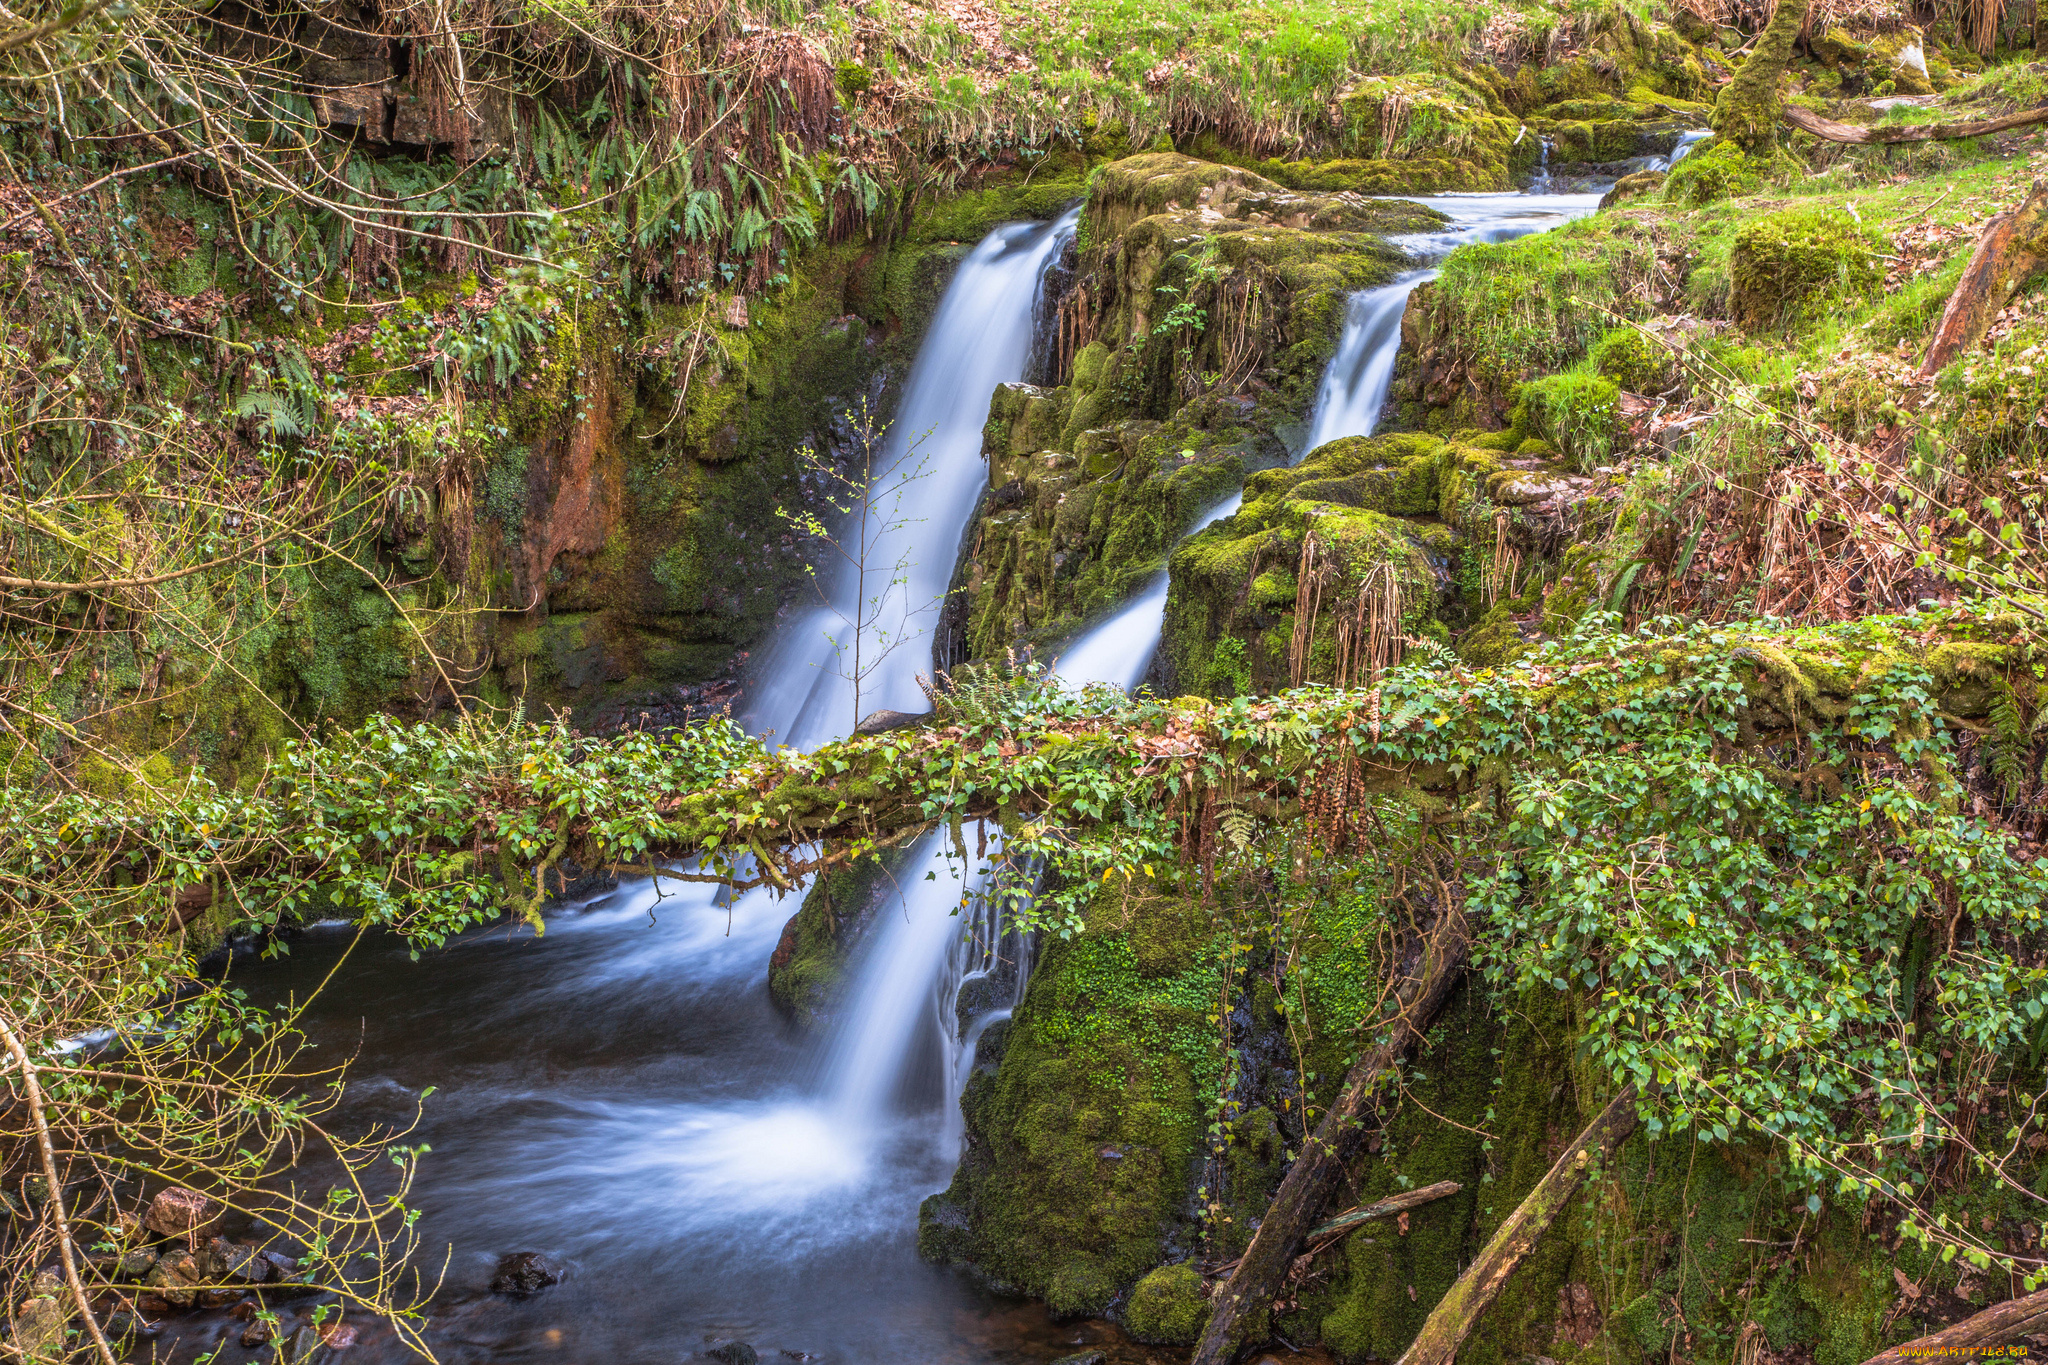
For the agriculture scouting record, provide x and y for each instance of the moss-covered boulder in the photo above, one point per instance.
(1168, 1307)
(1787, 266)
(1082, 1138)
(1721, 170)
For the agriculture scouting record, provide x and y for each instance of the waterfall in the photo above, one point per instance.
(1687, 140)
(1355, 384)
(896, 1032)
(1348, 401)
(980, 337)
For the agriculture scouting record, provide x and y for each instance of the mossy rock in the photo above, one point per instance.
(1719, 169)
(1786, 267)
(1168, 1307)
(1634, 359)
(1577, 414)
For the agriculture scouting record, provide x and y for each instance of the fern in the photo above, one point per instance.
(2008, 742)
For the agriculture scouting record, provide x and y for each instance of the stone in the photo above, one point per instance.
(734, 1353)
(1083, 1358)
(257, 1333)
(523, 1273)
(39, 1329)
(303, 1346)
(177, 1277)
(225, 1260)
(133, 1265)
(881, 722)
(178, 1212)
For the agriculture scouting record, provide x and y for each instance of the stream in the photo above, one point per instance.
(621, 1095)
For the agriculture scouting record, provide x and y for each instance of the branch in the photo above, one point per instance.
(1454, 1316)
(64, 1251)
(1807, 121)
(70, 19)
(1997, 1326)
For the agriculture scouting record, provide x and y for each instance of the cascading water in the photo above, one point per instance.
(1687, 140)
(980, 337)
(725, 1181)
(1348, 401)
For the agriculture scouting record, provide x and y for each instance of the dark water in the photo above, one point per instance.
(622, 1095)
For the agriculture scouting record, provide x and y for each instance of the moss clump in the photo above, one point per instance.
(1718, 170)
(1168, 1306)
(1786, 267)
(1576, 413)
(1634, 359)
(1081, 1141)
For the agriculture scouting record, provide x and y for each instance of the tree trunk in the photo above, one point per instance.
(2000, 1325)
(1747, 111)
(1807, 121)
(1243, 1305)
(2012, 247)
(1453, 1318)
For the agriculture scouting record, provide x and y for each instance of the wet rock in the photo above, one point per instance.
(257, 1333)
(734, 1353)
(523, 1273)
(1082, 1358)
(184, 1213)
(122, 1325)
(303, 1346)
(881, 722)
(176, 1278)
(225, 1260)
(40, 1326)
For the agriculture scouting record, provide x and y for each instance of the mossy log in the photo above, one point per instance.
(2000, 1325)
(1386, 1208)
(1452, 1320)
(2010, 249)
(1827, 129)
(1242, 1306)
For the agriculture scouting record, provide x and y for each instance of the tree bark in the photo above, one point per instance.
(2012, 246)
(1999, 1325)
(1344, 1223)
(1807, 121)
(1747, 111)
(1455, 1314)
(1246, 1298)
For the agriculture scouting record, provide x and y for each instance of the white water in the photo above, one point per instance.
(1687, 140)
(1348, 401)
(979, 338)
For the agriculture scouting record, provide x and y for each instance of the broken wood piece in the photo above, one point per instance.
(1456, 1313)
(1242, 1304)
(1828, 130)
(1999, 1325)
(2012, 246)
(1344, 1223)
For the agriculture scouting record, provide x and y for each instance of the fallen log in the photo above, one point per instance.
(1455, 1314)
(1344, 1223)
(2012, 246)
(1999, 1325)
(1827, 129)
(1245, 1299)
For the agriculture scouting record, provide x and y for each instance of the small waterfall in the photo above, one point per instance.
(1355, 385)
(1687, 140)
(1540, 182)
(980, 337)
(1348, 402)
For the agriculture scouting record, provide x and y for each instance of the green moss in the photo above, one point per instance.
(1633, 359)
(1787, 267)
(1576, 413)
(1717, 170)
(1168, 1307)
